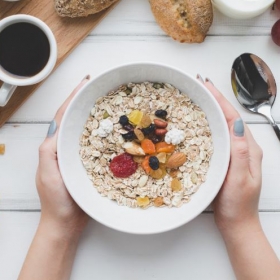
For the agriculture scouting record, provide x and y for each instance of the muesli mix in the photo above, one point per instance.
(146, 144)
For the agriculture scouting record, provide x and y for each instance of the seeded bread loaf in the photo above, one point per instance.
(186, 21)
(81, 8)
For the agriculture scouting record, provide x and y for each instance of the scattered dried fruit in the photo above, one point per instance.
(154, 162)
(106, 115)
(173, 173)
(164, 147)
(129, 136)
(176, 185)
(161, 157)
(138, 159)
(146, 121)
(143, 201)
(161, 114)
(2, 149)
(123, 120)
(135, 117)
(157, 174)
(128, 127)
(149, 130)
(133, 149)
(148, 146)
(139, 134)
(176, 160)
(123, 166)
(158, 201)
(146, 166)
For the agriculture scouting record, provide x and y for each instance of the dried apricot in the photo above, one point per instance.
(164, 147)
(145, 164)
(148, 146)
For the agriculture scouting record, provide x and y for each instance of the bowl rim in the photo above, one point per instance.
(223, 121)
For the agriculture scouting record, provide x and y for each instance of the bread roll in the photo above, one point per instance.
(81, 8)
(186, 21)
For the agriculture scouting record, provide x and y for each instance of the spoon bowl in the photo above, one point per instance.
(254, 86)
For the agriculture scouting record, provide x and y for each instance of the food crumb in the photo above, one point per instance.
(2, 149)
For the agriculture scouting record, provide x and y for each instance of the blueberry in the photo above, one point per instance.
(129, 136)
(161, 114)
(149, 130)
(154, 163)
(123, 120)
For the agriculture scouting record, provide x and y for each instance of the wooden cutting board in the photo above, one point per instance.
(69, 32)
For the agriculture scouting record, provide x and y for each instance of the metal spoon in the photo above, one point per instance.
(254, 86)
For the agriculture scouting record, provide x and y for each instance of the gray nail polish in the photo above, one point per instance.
(238, 128)
(52, 129)
(199, 78)
(209, 81)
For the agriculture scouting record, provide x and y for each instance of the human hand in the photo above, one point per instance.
(59, 211)
(236, 205)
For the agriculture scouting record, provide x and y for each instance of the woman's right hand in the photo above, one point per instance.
(237, 202)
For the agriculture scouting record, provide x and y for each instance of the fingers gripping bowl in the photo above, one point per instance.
(108, 212)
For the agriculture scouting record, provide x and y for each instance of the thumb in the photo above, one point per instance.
(239, 149)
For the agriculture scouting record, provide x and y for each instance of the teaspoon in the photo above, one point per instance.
(254, 86)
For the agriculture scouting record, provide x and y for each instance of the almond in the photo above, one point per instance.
(160, 123)
(133, 149)
(176, 160)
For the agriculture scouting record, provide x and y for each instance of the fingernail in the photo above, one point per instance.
(199, 78)
(209, 81)
(87, 77)
(52, 129)
(238, 128)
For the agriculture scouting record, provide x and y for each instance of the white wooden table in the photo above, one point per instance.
(194, 251)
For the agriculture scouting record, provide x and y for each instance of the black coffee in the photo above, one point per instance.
(24, 49)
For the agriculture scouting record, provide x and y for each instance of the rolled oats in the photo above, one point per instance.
(96, 152)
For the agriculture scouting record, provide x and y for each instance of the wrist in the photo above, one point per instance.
(238, 230)
(59, 231)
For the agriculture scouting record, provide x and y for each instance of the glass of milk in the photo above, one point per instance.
(242, 9)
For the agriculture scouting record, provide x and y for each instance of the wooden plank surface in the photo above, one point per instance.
(194, 251)
(17, 180)
(97, 54)
(68, 33)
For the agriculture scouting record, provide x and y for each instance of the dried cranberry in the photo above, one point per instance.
(123, 165)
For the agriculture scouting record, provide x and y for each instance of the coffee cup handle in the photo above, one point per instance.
(6, 92)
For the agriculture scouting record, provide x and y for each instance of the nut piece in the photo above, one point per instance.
(176, 160)
(160, 131)
(160, 123)
(2, 149)
(133, 149)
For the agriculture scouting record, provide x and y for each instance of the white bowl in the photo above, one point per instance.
(107, 212)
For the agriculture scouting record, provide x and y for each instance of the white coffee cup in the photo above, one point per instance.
(11, 80)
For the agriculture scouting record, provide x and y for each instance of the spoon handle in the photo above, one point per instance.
(265, 110)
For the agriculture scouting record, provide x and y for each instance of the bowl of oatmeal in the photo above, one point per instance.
(143, 148)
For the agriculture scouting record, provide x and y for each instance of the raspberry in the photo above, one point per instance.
(123, 165)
